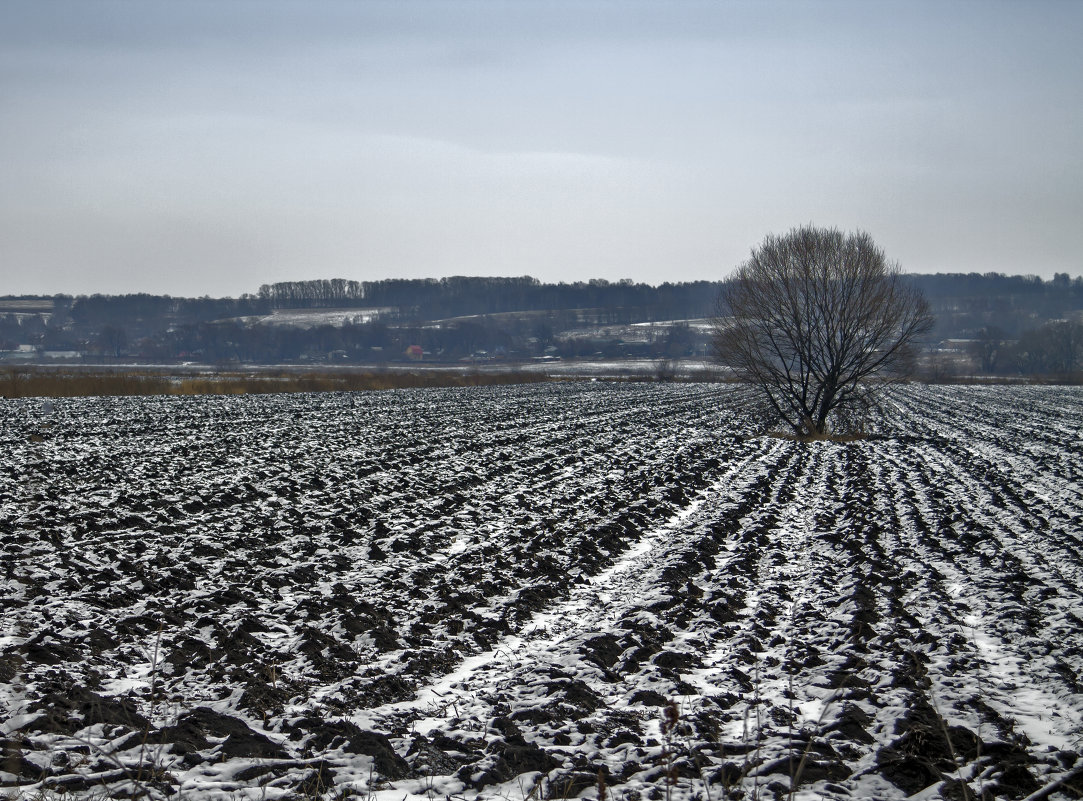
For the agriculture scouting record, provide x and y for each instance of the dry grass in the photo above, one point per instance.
(17, 382)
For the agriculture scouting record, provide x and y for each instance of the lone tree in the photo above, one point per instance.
(820, 322)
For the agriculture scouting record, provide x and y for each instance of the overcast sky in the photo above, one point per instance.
(197, 148)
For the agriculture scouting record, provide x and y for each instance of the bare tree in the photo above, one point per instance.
(988, 347)
(1055, 348)
(821, 323)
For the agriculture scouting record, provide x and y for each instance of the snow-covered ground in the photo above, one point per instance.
(537, 592)
(310, 318)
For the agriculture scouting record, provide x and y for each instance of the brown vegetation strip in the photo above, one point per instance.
(23, 383)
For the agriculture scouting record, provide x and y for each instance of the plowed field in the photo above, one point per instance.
(547, 591)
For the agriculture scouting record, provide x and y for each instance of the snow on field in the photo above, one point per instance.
(537, 592)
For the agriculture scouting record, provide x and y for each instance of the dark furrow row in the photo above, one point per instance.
(319, 595)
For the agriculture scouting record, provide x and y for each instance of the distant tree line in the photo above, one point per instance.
(112, 324)
(965, 303)
(1052, 349)
(441, 298)
(1011, 317)
(480, 338)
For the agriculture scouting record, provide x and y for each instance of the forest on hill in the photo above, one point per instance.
(1004, 324)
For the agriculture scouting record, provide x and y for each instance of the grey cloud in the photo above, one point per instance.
(654, 140)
